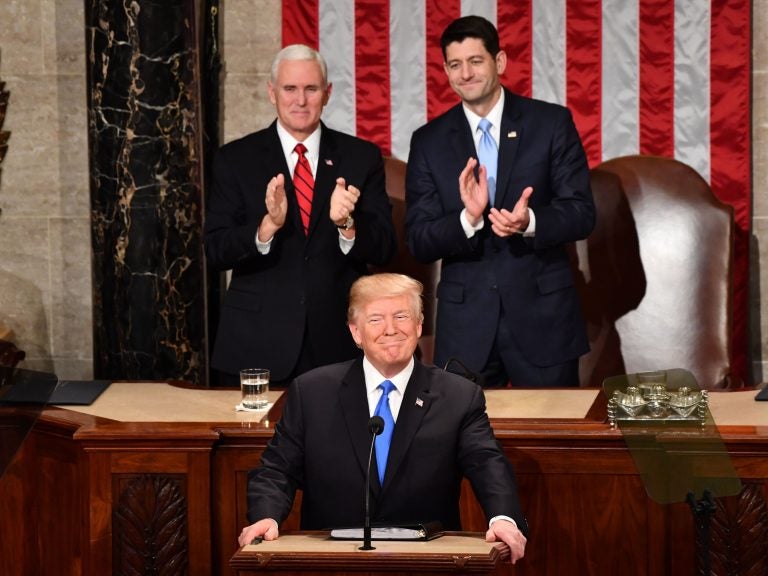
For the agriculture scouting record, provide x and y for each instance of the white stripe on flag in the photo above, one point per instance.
(484, 8)
(337, 36)
(692, 65)
(620, 79)
(548, 76)
(407, 72)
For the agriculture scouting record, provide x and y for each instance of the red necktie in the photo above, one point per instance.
(303, 182)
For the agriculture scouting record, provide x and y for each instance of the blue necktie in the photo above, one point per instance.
(488, 155)
(383, 440)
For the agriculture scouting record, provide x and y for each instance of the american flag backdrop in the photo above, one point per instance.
(661, 77)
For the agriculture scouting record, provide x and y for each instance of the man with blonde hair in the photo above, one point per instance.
(438, 427)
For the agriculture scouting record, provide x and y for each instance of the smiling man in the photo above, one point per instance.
(441, 435)
(495, 189)
(297, 211)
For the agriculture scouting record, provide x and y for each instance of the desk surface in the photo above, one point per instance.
(161, 402)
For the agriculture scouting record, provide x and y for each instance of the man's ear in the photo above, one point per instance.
(355, 334)
(501, 62)
(271, 92)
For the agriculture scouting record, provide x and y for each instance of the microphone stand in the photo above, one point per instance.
(375, 425)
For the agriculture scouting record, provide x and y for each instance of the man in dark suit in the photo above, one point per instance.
(507, 304)
(293, 262)
(441, 433)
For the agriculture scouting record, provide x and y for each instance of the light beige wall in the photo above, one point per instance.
(45, 290)
(759, 244)
(45, 269)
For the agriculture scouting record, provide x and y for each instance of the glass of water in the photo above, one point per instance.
(254, 385)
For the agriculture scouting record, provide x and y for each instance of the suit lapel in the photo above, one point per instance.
(354, 406)
(462, 144)
(274, 161)
(511, 132)
(416, 403)
(328, 163)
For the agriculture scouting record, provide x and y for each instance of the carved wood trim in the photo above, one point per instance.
(149, 524)
(739, 535)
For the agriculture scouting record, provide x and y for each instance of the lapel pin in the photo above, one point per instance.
(419, 402)
(512, 134)
(328, 162)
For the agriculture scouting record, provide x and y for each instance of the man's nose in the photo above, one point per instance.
(389, 325)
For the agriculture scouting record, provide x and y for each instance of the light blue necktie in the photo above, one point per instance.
(488, 155)
(383, 440)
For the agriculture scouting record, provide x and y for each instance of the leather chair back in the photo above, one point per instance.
(655, 274)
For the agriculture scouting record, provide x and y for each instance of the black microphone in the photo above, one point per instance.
(375, 427)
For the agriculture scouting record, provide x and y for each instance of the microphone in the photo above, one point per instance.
(475, 377)
(375, 427)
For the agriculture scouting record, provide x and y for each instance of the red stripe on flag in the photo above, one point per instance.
(300, 23)
(372, 73)
(730, 149)
(440, 95)
(657, 77)
(515, 26)
(583, 65)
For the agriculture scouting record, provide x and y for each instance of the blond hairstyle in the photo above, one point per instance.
(385, 285)
(299, 52)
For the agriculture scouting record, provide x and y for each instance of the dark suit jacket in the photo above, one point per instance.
(321, 445)
(530, 277)
(303, 281)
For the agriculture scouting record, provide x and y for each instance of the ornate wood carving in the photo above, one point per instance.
(149, 525)
(734, 550)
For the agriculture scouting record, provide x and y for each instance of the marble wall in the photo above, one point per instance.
(45, 267)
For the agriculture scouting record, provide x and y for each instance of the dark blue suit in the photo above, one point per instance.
(321, 446)
(302, 285)
(527, 281)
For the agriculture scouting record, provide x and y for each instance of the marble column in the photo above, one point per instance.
(144, 127)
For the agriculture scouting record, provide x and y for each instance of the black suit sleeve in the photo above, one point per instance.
(484, 463)
(272, 486)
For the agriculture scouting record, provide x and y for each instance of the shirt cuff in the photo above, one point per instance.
(470, 230)
(490, 523)
(531, 230)
(345, 243)
(263, 247)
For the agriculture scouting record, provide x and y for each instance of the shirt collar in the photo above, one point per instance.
(494, 116)
(373, 377)
(288, 142)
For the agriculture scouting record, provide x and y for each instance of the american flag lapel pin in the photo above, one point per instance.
(328, 162)
(512, 134)
(419, 402)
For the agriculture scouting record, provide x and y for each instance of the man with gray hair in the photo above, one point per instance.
(298, 212)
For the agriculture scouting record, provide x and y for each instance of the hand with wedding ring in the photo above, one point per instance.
(505, 223)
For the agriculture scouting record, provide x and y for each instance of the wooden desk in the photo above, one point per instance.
(313, 554)
(165, 486)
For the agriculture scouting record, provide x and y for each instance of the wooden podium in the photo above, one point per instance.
(316, 554)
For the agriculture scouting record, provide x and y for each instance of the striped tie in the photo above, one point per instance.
(303, 183)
